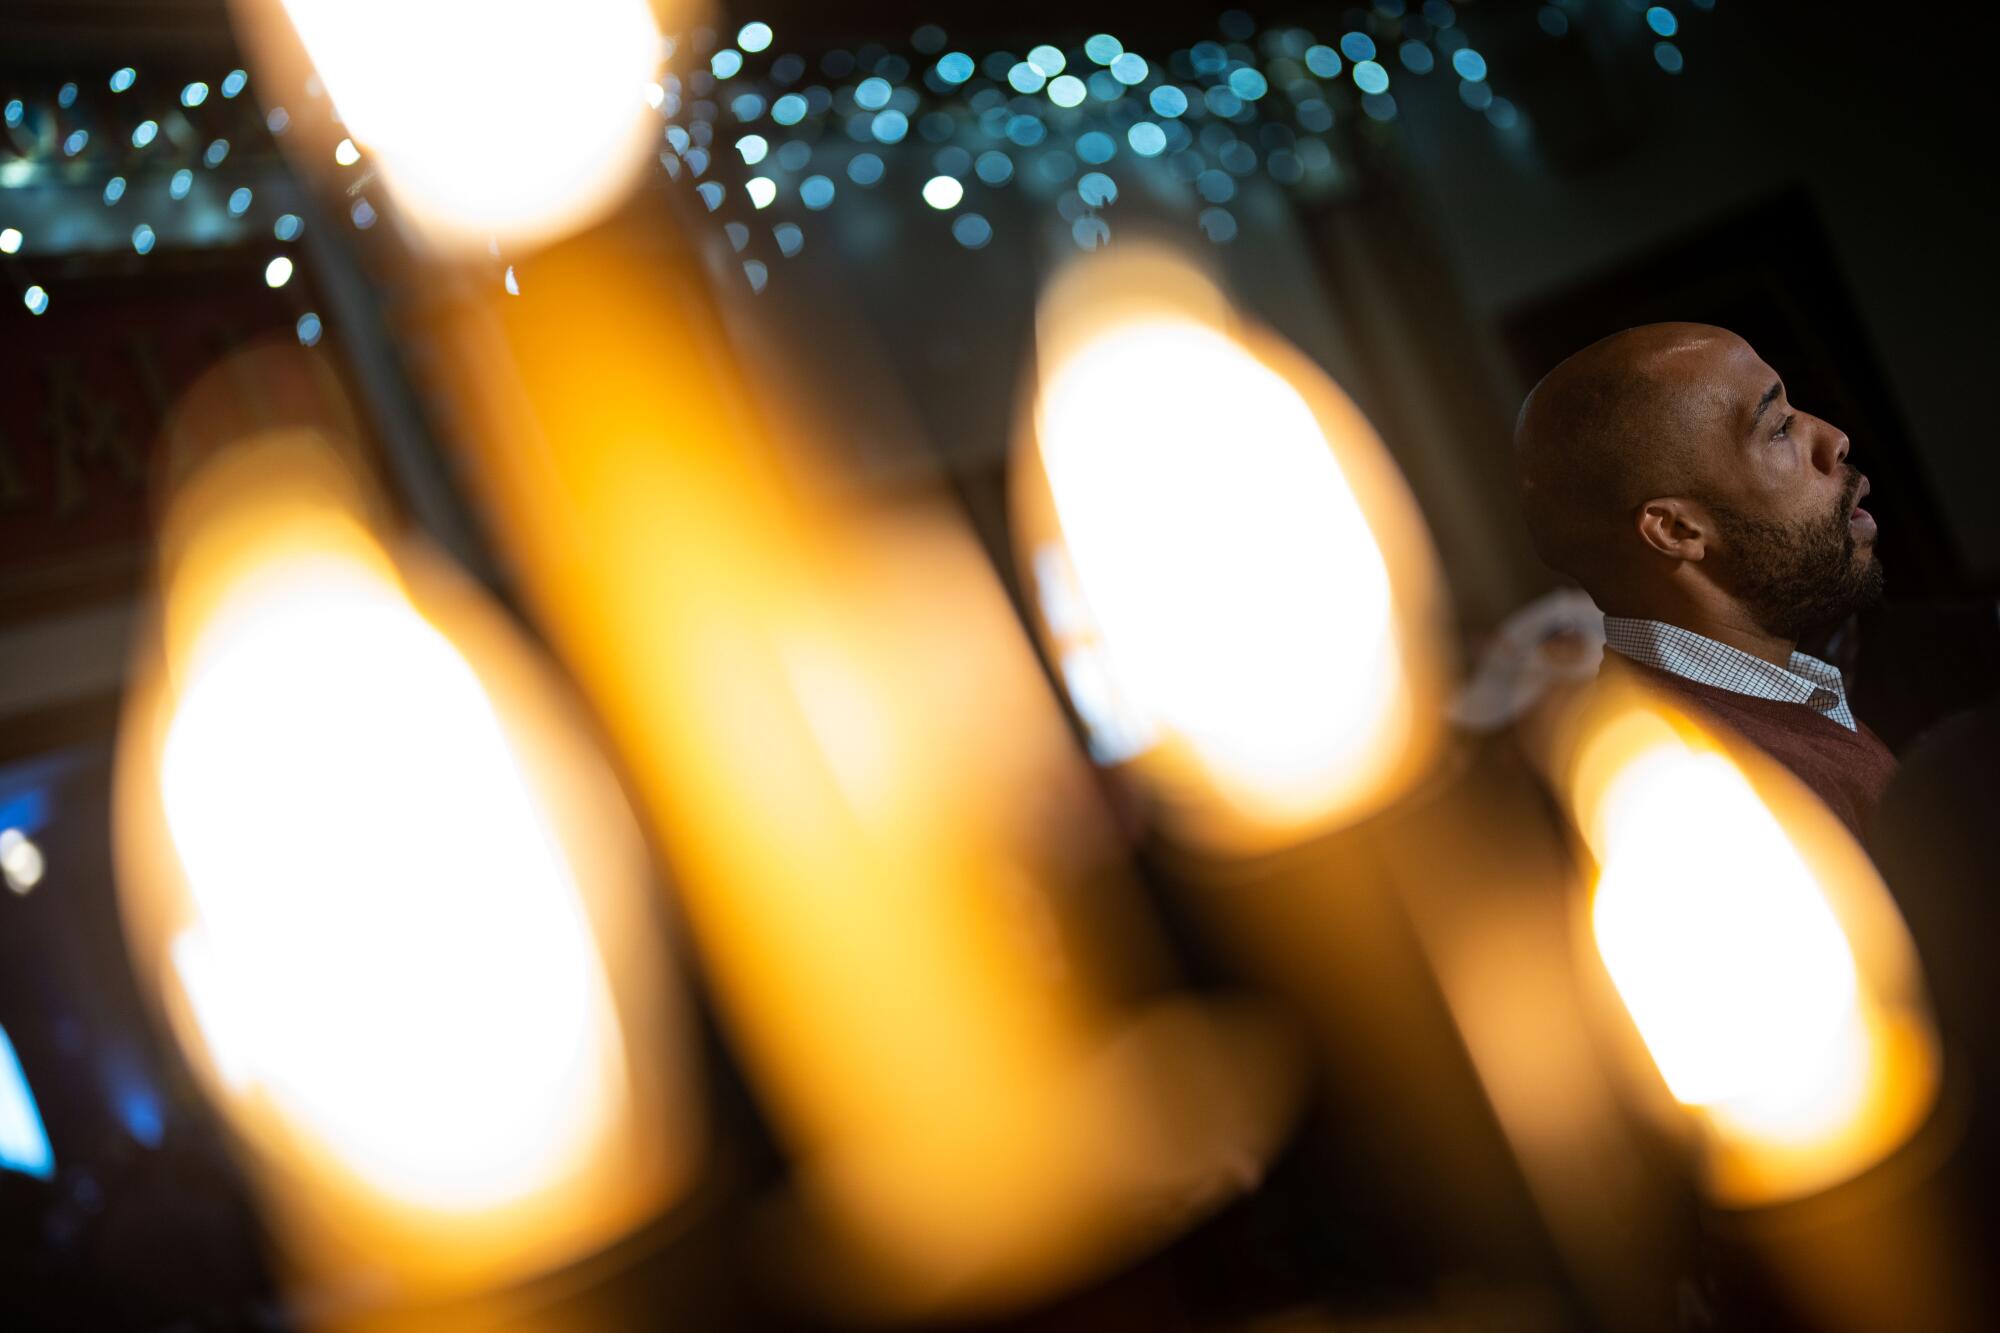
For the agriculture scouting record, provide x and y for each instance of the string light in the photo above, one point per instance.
(1063, 110)
(1213, 114)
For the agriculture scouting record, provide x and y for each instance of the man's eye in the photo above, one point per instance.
(1784, 429)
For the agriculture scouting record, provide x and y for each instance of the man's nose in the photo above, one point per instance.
(1829, 448)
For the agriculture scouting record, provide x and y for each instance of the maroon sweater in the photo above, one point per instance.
(1847, 769)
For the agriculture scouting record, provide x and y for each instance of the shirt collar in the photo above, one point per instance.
(1682, 652)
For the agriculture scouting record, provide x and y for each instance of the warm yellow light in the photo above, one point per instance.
(1227, 591)
(1776, 1003)
(503, 119)
(351, 865)
(1756, 952)
(421, 991)
(906, 894)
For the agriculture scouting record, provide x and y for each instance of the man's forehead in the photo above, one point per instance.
(1716, 367)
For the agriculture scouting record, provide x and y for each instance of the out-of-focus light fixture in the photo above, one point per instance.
(1759, 956)
(1233, 580)
(388, 899)
(488, 120)
(938, 1033)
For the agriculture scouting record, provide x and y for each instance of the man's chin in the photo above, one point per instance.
(1868, 589)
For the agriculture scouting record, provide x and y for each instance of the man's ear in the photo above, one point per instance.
(1674, 527)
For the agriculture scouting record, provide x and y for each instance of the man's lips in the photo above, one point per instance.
(1860, 518)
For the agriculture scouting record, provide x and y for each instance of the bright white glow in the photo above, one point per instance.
(10, 240)
(20, 861)
(762, 190)
(754, 37)
(1739, 978)
(943, 192)
(1242, 599)
(278, 272)
(388, 943)
(655, 95)
(345, 153)
(490, 119)
(35, 299)
(24, 1144)
(754, 148)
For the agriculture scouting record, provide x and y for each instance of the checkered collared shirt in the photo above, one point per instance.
(1696, 657)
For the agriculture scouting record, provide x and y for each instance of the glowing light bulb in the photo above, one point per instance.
(1775, 991)
(1223, 510)
(489, 120)
(292, 717)
(416, 1021)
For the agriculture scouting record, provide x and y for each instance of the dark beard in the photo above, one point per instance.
(1794, 579)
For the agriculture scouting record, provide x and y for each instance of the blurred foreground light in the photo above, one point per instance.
(925, 977)
(1757, 952)
(278, 272)
(1233, 579)
(24, 1143)
(20, 861)
(488, 120)
(389, 901)
(10, 240)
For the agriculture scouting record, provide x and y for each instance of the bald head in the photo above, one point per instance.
(1616, 424)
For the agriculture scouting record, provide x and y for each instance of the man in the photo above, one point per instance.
(1665, 470)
